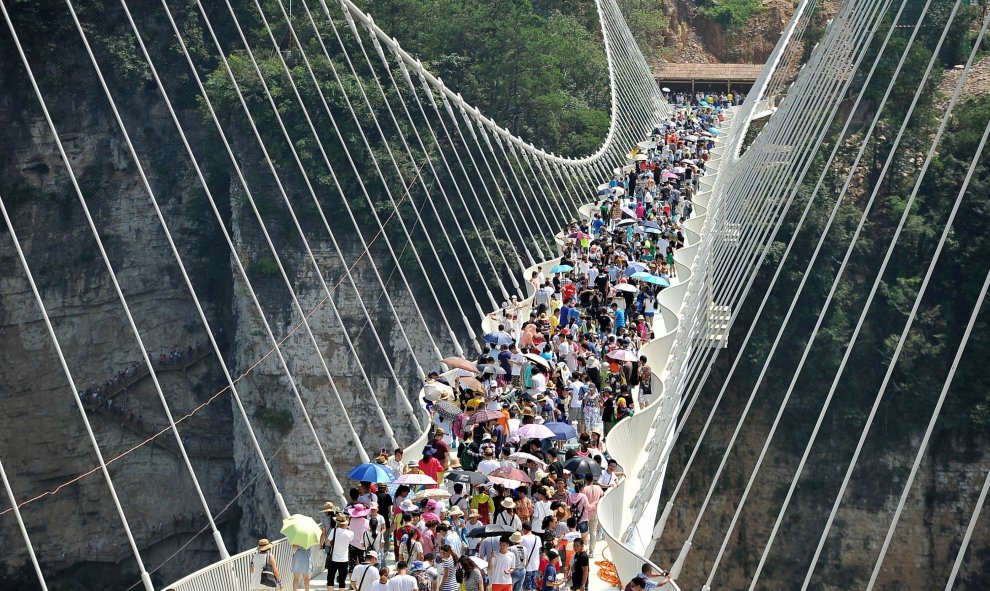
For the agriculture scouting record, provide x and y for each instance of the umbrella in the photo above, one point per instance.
(534, 431)
(301, 530)
(633, 268)
(625, 222)
(459, 363)
(447, 409)
(537, 359)
(604, 186)
(641, 157)
(434, 390)
(618, 191)
(640, 275)
(629, 212)
(484, 415)
(432, 493)
(691, 138)
(623, 355)
(679, 169)
(371, 473)
(646, 144)
(471, 384)
(499, 338)
(466, 477)
(655, 280)
(562, 431)
(604, 191)
(579, 235)
(506, 482)
(713, 131)
(669, 175)
(521, 457)
(481, 563)
(665, 89)
(491, 530)
(583, 465)
(649, 230)
(561, 269)
(626, 287)
(651, 224)
(414, 479)
(510, 473)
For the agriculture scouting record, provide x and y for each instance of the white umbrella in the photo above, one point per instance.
(646, 145)
(604, 186)
(537, 359)
(626, 287)
(641, 157)
(432, 391)
(479, 562)
(521, 457)
(665, 89)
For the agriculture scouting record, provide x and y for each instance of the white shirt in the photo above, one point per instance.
(402, 583)
(540, 383)
(497, 567)
(340, 539)
(576, 398)
(365, 575)
(531, 546)
(606, 479)
(541, 509)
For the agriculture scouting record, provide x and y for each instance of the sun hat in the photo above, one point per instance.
(341, 519)
(474, 513)
(515, 538)
(328, 507)
(508, 503)
(371, 554)
(264, 545)
(456, 511)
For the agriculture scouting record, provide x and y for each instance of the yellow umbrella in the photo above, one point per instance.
(301, 530)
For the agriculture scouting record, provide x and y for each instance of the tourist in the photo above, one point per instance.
(261, 562)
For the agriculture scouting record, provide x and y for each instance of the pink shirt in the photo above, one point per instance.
(594, 494)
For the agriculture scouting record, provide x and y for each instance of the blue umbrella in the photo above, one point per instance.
(657, 280)
(562, 431)
(561, 269)
(641, 275)
(371, 473)
(607, 191)
(633, 268)
(650, 224)
(498, 338)
(713, 131)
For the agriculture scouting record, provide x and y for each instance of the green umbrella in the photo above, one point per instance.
(301, 530)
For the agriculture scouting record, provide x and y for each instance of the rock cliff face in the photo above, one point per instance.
(43, 438)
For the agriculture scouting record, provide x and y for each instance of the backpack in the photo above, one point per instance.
(574, 510)
(424, 581)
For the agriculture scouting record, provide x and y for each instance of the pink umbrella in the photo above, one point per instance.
(511, 474)
(414, 479)
(534, 431)
(679, 169)
(669, 175)
(623, 355)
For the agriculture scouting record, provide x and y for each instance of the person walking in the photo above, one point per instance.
(364, 576)
(302, 566)
(337, 543)
(262, 561)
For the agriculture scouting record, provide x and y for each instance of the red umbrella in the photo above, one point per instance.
(510, 474)
(484, 415)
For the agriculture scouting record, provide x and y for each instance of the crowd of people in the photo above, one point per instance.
(505, 496)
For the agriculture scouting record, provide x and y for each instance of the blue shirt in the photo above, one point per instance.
(565, 311)
(620, 318)
(549, 575)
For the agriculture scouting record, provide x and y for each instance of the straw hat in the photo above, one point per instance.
(474, 513)
(508, 503)
(381, 460)
(515, 538)
(328, 507)
(456, 511)
(264, 545)
(341, 519)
